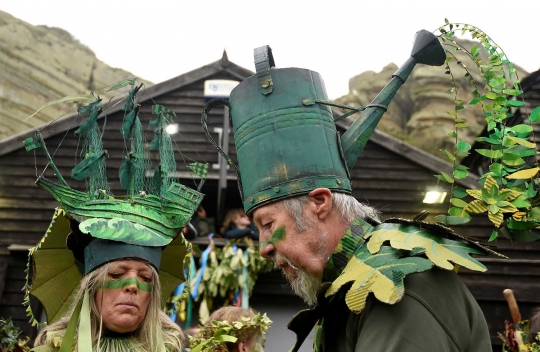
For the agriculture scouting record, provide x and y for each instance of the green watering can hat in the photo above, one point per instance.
(286, 140)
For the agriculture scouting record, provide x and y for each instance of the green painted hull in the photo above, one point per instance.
(168, 214)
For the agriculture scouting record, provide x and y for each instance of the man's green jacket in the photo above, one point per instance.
(436, 312)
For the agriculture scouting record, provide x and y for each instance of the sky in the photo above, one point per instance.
(159, 39)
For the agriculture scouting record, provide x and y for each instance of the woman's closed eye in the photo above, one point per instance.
(116, 275)
(146, 279)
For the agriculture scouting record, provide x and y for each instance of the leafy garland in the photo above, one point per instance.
(228, 272)
(214, 335)
(511, 185)
(9, 337)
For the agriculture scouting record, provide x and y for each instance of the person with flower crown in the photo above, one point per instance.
(232, 329)
(371, 285)
(107, 265)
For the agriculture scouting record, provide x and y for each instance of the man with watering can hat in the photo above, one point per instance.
(293, 174)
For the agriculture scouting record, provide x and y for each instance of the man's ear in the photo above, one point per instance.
(321, 201)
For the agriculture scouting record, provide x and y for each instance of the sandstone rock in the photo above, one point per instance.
(41, 64)
(418, 113)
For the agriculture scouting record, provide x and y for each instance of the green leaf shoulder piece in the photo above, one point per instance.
(415, 246)
(443, 252)
(381, 273)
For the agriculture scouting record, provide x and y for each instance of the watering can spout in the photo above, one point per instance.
(426, 50)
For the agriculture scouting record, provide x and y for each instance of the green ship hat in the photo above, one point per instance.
(94, 227)
(285, 135)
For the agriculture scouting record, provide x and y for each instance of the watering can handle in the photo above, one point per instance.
(264, 60)
(204, 119)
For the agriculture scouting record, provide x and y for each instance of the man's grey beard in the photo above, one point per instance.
(303, 284)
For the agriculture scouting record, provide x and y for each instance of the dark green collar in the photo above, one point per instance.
(352, 239)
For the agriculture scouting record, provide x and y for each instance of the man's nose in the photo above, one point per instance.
(267, 251)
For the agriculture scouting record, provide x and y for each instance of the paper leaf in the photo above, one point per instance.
(522, 142)
(65, 100)
(441, 251)
(122, 230)
(522, 128)
(492, 154)
(382, 274)
(120, 84)
(535, 115)
(524, 174)
(458, 202)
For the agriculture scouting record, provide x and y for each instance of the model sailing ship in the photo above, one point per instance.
(160, 202)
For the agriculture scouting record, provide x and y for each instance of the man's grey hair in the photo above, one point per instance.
(345, 205)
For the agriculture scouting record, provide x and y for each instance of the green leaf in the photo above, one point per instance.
(459, 192)
(120, 84)
(474, 101)
(496, 168)
(448, 154)
(460, 167)
(122, 230)
(452, 134)
(458, 202)
(381, 274)
(447, 178)
(493, 236)
(535, 115)
(522, 128)
(524, 174)
(514, 103)
(440, 250)
(463, 145)
(488, 153)
(462, 153)
(520, 202)
(522, 142)
(491, 95)
(461, 174)
(459, 212)
(461, 125)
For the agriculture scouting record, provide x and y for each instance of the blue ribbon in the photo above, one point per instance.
(204, 261)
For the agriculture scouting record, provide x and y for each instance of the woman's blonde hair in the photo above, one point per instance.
(156, 326)
(230, 217)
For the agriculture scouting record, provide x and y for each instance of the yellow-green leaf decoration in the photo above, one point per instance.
(73, 99)
(524, 174)
(492, 200)
(380, 273)
(442, 251)
(121, 84)
(117, 229)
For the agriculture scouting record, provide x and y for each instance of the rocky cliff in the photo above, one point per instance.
(40, 64)
(418, 113)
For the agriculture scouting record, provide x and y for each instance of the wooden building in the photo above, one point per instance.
(390, 175)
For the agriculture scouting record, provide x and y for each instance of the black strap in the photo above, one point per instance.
(263, 62)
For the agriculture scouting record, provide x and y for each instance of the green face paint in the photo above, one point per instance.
(121, 283)
(278, 235)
